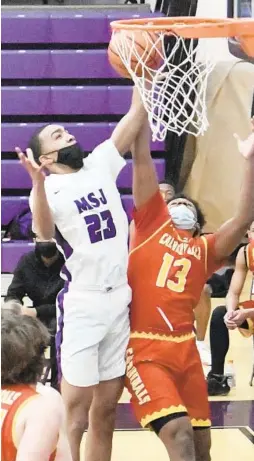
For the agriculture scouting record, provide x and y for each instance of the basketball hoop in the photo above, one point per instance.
(174, 93)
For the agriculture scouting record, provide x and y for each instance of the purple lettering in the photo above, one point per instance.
(82, 205)
(93, 200)
(102, 198)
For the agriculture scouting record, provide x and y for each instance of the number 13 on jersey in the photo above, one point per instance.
(180, 275)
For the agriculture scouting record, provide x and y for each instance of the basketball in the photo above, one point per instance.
(144, 53)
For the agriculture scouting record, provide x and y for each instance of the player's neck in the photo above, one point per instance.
(33, 386)
(59, 168)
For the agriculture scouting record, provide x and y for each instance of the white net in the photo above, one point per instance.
(174, 94)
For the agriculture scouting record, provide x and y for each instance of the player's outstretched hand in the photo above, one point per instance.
(246, 147)
(34, 170)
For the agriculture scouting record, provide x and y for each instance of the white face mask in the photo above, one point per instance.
(183, 217)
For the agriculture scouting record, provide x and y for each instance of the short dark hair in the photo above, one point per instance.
(35, 144)
(24, 340)
(169, 181)
(200, 215)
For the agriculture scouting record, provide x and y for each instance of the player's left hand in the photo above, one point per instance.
(246, 147)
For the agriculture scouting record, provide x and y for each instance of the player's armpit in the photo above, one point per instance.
(42, 425)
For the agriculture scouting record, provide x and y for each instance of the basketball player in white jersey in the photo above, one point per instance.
(79, 205)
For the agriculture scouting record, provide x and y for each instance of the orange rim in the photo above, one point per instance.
(190, 27)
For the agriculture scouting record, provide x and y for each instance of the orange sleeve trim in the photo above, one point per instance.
(149, 238)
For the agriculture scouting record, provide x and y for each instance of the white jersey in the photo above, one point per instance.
(91, 225)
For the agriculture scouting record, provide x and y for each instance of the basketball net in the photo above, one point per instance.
(175, 94)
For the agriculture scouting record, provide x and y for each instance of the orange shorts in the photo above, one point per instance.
(166, 378)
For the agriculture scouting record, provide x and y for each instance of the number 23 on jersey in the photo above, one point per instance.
(100, 226)
(177, 285)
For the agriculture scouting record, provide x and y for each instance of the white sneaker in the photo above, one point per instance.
(204, 352)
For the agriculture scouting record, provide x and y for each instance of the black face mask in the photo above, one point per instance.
(46, 249)
(71, 156)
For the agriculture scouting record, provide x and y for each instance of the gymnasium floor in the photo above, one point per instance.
(232, 416)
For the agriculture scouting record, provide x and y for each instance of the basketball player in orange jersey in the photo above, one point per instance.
(32, 415)
(168, 265)
(245, 262)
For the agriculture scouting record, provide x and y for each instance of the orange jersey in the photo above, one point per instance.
(167, 271)
(250, 256)
(13, 400)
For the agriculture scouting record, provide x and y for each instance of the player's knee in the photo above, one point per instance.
(103, 416)
(184, 442)
(180, 434)
(77, 425)
(218, 314)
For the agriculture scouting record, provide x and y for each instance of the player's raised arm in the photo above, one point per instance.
(127, 129)
(231, 233)
(42, 218)
(145, 182)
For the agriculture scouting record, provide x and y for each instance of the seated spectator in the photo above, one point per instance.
(37, 276)
(216, 287)
(30, 411)
(235, 314)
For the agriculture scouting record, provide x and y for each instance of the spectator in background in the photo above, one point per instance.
(229, 317)
(37, 276)
(216, 287)
(31, 412)
(167, 189)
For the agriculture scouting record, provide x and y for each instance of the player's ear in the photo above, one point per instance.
(46, 160)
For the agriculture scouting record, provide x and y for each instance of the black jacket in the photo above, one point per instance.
(39, 282)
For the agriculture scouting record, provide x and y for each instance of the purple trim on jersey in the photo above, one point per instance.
(67, 250)
(59, 334)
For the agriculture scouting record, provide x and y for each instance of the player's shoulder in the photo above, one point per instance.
(99, 154)
(48, 392)
(45, 399)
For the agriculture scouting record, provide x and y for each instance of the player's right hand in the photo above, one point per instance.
(34, 170)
